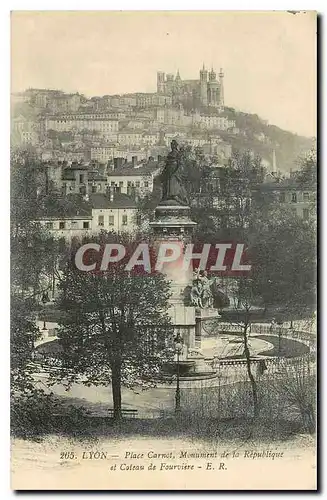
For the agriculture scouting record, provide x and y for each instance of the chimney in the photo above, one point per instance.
(134, 161)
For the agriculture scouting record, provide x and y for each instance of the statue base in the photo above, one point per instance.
(206, 313)
(200, 316)
(172, 220)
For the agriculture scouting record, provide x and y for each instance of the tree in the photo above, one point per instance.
(24, 333)
(282, 251)
(35, 256)
(246, 296)
(307, 175)
(222, 198)
(34, 251)
(116, 327)
(24, 174)
(307, 178)
(31, 189)
(146, 204)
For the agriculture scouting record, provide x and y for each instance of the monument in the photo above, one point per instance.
(173, 224)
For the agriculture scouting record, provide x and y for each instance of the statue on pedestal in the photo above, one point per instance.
(172, 187)
(201, 293)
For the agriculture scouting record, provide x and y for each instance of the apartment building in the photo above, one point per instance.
(77, 216)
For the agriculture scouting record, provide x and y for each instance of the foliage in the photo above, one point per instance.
(297, 386)
(287, 145)
(36, 413)
(307, 174)
(34, 261)
(282, 250)
(24, 333)
(222, 198)
(116, 328)
(246, 295)
(34, 251)
(25, 170)
(31, 190)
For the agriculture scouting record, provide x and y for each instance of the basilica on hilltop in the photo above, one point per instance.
(208, 91)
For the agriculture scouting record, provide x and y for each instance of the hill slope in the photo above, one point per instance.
(262, 138)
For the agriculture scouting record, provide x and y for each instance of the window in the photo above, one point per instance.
(306, 214)
(124, 220)
(294, 198)
(73, 224)
(282, 197)
(137, 184)
(112, 183)
(61, 225)
(49, 225)
(121, 184)
(81, 178)
(101, 220)
(94, 189)
(86, 225)
(129, 183)
(146, 184)
(111, 220)
(306, 196)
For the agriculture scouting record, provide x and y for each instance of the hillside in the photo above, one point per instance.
(254, 134)
(262, 138)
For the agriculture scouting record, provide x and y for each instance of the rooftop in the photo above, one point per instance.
(75, 206)
(68, 207)
(129, 170)
(285, 185)
(120, 200)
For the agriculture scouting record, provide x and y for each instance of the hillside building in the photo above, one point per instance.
(208, 90)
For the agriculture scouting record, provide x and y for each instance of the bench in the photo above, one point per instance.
(126, 413)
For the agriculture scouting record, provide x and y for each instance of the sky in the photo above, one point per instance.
(269, 58)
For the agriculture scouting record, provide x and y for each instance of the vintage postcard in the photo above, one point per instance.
(163, 250)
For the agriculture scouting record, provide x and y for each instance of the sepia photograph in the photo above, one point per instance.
(163, 250)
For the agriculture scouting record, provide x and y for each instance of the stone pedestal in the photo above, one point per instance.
(202, 315)
(173, 224)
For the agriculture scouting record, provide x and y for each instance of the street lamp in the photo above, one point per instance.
(178, 348)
